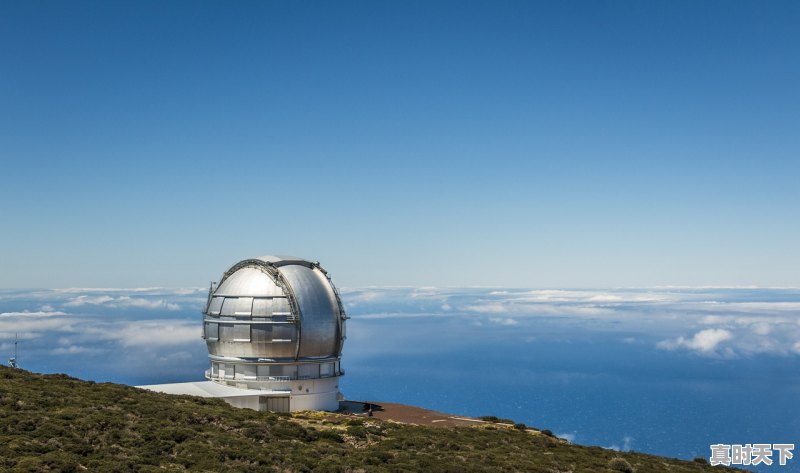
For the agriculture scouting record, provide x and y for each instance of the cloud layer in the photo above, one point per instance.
(122, 302)
(65, 330)
(130, 329)
(709, 322)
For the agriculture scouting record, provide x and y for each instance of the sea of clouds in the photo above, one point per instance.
(711, 322)
(146, 334)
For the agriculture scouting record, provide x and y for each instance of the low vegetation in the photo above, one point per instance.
(56, 423)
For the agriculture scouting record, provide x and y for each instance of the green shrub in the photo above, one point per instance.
(330, 435)
(496, 420)
(176, 435)
(378, 457)
(59, 424)
(621, 465)
(548, 432)
(357, 431)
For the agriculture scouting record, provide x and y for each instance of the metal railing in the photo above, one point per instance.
(210, 375)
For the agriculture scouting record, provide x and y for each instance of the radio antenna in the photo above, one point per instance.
(12, 362)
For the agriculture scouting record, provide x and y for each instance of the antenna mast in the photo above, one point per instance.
(13, 361)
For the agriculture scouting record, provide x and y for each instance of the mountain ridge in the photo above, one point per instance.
(56, 423)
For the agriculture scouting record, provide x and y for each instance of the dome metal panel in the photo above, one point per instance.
(275, 308)
(248, 281)
(319, 327)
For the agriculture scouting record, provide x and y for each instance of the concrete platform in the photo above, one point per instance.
(283, 396)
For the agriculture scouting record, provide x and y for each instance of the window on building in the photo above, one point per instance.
(245, 371)
(309, 370)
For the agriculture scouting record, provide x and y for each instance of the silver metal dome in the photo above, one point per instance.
(273, 308)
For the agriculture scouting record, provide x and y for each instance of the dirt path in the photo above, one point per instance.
(407, 414)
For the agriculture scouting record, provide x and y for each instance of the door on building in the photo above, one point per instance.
(273, 403)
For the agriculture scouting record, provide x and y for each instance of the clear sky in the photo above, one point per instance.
(530, 144)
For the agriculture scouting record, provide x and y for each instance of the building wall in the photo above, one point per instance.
(305, 395)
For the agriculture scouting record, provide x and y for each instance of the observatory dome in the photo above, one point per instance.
(275, 319)
(277, 308)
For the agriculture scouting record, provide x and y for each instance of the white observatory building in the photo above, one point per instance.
(274, 326)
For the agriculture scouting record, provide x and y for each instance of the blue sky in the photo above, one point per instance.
(522, 144)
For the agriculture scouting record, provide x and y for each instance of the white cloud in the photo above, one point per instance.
(627, 442)
(771, 332)
(152, 304)
(177, 356)
(156, 333)
(678, 315)
(88, 300)
(430, 293)
(606, 298)
(551, 295)
(762, 328)
(569, 437)
(503, 320)
(70, 290)
(713, 320)
(123, 302)
(426, 289)
(41, 313)
(533, 309)
(751, 307)
(704, 341)
(75, 350)
(366, 296)
(186, 291)
(31, 326)
(489, 308)
(399, 315)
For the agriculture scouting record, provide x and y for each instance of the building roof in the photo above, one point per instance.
(208, 389)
